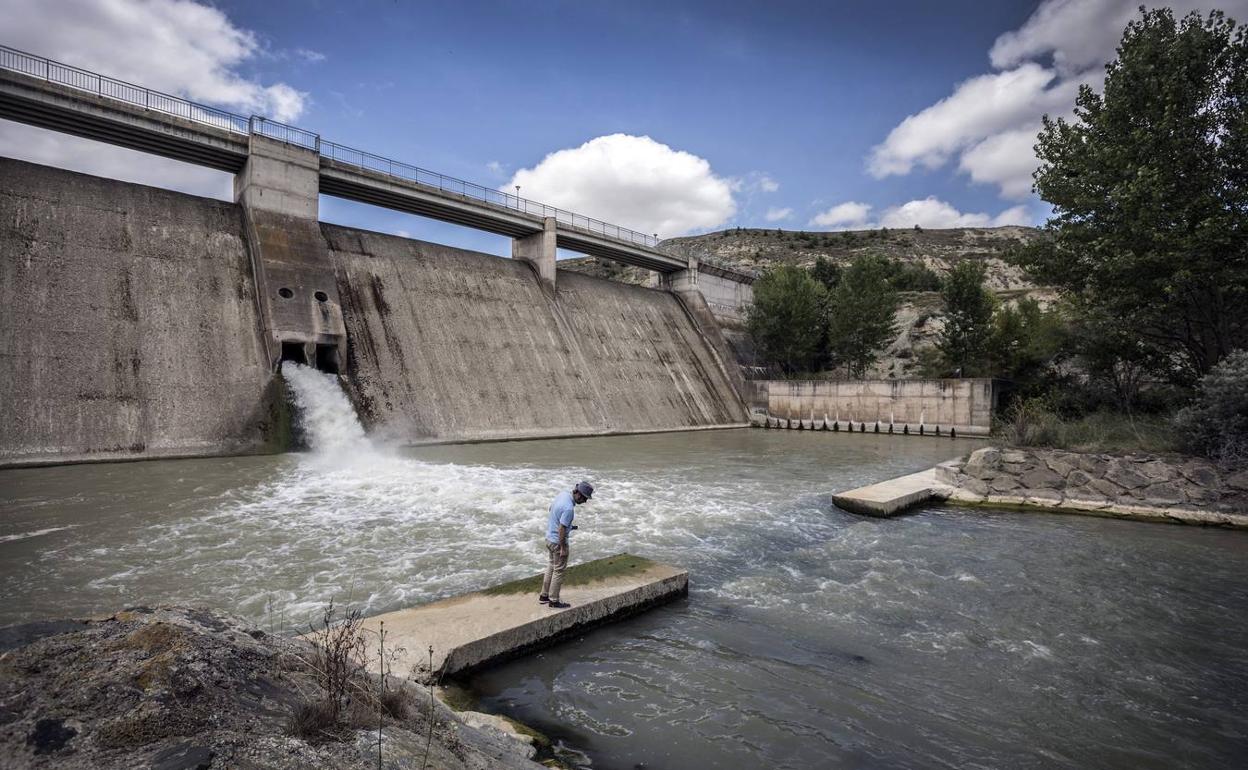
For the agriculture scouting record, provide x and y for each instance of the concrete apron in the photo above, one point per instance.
(484, 627)
(889, 498)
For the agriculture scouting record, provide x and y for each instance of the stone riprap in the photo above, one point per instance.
(1139, 486)
(473, 630)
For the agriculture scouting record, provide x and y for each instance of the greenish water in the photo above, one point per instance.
(810, 638)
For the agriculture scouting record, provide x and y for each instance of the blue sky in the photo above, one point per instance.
(788, 114)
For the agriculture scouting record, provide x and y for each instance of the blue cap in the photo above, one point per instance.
(586, 489)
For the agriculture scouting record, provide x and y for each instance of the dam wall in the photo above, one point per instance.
(911, 406)
(131, 327)
(128, 323)
(448, 344)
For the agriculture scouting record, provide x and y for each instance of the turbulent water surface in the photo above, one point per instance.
(811, 638)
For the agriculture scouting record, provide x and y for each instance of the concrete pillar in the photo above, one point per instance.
(683, 280)
(538, 250)
(280, 178)
(297, 291)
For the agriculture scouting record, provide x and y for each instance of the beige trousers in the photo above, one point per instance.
(554, 571)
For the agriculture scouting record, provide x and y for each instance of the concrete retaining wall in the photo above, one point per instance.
(964, 405)
(728, 299)
(448, 344)
(129, 328)
(128, 323)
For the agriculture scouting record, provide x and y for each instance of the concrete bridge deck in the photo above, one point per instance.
(484, 627)
(59, 97)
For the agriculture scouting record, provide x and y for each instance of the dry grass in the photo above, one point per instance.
(1032, 424)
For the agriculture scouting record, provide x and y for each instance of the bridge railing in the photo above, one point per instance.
(119, 90)
(368, 161)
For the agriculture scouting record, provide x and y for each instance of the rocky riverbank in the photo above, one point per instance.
(1145, 487)
(176, 688)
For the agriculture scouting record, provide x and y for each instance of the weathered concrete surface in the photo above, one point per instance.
(889, 498)
(295, 287)
(446, 344)
(1142, 487)
(539, 251)
(476, 629)
(128, 323)
(911, 406)
(140, 323)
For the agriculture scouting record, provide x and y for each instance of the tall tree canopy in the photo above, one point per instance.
(786, 320)
(963, 342)
(1150, 223)
(860, 315)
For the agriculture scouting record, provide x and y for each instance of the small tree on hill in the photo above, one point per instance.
(860, 315)
(786, 321)
(826, 272)
(963, 342)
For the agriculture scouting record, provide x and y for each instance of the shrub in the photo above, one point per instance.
(1215, 424)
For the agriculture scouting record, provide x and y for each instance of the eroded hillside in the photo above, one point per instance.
(919, 318)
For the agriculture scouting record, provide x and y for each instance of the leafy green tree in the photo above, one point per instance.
(786, 321)
(1024, 342)
(964, 340)
(860, 315)
(826, 272)
(1216, 422)
(1150, 223)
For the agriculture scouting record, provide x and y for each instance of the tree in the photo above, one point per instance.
(1024, 341)
(860, 315)
(963, 342)
(826, 272)
(786, 321)
(1216, 422)
(1150, 223)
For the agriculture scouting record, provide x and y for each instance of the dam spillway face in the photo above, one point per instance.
(172, 311)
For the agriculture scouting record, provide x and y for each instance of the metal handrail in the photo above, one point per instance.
(119, 90)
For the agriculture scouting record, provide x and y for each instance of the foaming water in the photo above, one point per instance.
(811, 638)
(328, 420)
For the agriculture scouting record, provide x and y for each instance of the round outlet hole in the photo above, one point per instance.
(285, 293)
(321, 296)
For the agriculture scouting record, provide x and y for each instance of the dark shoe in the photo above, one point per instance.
(555, 604)
(543, 599)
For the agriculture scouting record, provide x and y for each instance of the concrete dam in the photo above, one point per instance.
(143, 323)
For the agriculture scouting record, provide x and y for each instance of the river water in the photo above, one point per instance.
(810, 638)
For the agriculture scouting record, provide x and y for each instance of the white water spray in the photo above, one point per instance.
(328, 419)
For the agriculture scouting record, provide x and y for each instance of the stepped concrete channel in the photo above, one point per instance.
(474, 630)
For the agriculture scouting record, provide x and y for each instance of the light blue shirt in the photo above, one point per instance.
(562, 511)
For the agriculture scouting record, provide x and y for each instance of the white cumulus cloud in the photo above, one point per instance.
(932, 212)
(845, 216)
(778, 214)
(767, 184)
(632, 181)
(178, 46)
(989, 122)
(182, 47)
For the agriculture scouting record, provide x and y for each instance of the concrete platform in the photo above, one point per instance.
(889, 498)
(484, 627)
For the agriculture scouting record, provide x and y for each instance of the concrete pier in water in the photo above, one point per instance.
(489, 626)
(889, 498)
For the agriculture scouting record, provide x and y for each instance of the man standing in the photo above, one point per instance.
(558, 530)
